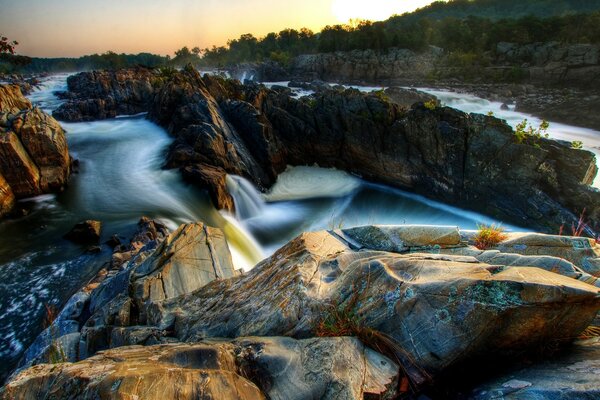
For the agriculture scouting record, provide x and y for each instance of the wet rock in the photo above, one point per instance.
(86, 232)
(17, 167)
(572, 375)
(247, 368)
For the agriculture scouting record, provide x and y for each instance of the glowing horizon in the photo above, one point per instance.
(72, 28)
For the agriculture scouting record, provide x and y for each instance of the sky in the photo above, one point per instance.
(71, 28)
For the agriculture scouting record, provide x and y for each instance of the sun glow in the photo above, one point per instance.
(374, 10)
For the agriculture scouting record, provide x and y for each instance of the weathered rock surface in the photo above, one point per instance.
(247, 368)
(106, 94)
(7, 197)
(408, 97)
(367, 66)
(34, 157)
(473, 161)
(441, 309)
(573, 375)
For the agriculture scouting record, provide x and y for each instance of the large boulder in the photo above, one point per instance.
(34, 157)
(86, 232)
(441, 310)
(247, 368)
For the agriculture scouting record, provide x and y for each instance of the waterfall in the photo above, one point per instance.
(248, 201)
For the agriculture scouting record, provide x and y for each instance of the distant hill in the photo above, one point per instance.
(499, 9)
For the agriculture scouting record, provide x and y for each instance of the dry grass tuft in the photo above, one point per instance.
(489, 236)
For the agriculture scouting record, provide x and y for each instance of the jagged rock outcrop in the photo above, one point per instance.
(246, 368)
(34, 157)
(472, 161)
(441, 307)
(86, 232)
(105, 94)
(469, 160)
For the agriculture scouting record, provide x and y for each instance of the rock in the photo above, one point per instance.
(186, 260)
(7, 197)
(570, 375)
(34, 157)
(247, 368)
(105, 94)
(221, 126)
(425, 302)
(86, 232)
(12, 100)
(408, 97)
(17, 167)
(214, 179)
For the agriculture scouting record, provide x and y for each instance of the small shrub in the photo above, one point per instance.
(490, 114)
(525, 131)
(576, 230)
(380, 94)
(577, 144)
(430, 105)
(489, 236)
(166, 72)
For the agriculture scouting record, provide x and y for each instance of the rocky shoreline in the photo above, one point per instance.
(410, 293)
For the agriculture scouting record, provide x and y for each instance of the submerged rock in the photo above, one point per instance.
(246, 368)
(86, 232)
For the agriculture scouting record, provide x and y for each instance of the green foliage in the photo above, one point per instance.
(526, 132)
(380, 94)
(108, 60)
(490, 113)
(431, 104)
(468, 30)
(577, 144)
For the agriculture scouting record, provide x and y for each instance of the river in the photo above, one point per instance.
(121, 179)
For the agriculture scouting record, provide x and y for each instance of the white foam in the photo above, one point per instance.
(297, 183)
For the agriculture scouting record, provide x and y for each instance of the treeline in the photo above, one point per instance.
(108, 60)
(504, 9)
(459, 25)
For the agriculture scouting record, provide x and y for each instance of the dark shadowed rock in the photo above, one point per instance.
(572, 375)
(105, 94)
(7, 197)
(86, 232)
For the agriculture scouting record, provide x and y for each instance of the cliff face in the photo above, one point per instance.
(34, 157)
(539, 63)
(367, 65)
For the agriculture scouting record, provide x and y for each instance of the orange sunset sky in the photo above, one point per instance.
(68, 28)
